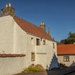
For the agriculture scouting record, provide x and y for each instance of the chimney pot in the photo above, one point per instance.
(6, 5)
(9, 4)
(42, 25)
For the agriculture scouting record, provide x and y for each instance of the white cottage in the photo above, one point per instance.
(66, 54)
(23, 43)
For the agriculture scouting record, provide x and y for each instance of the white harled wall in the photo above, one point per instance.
(14, 40)
(11, 65)
(6, 34)
(8, 45)
(45, 53)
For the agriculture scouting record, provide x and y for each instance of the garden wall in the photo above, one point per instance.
(11, 65)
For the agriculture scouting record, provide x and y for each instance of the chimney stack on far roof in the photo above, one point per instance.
(42, 25)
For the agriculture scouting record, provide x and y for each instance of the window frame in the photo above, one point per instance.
(32, 56)
(37, 41)
(66, 58)
(44, 42)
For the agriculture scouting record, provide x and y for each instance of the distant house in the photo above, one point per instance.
(66, 54)
(23, 43)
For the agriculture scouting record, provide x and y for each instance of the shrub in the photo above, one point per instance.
(33, 68)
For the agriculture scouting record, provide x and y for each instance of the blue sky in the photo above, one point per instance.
(59, 15)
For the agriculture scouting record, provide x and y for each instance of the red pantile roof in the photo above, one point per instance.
(12, 55)
(66, 49)
(31, 28)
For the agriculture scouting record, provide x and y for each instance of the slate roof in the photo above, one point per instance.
(32, 29)
(66, 49)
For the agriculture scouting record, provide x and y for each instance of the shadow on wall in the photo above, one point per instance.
(54, 63)
(53, 66)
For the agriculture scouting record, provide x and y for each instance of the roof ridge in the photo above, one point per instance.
(65, 44)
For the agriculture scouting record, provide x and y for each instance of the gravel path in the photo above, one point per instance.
(37, 73)
(64, 71)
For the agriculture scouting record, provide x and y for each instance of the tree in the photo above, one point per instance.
(63, 41)
(70, 39)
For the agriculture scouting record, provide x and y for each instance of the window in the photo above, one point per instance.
(66, 58)
(32, 56)
(37, 41)
(53, 46)
(44, 42)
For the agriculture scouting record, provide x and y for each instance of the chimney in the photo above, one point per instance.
(42, 25)
(8, 10)
(48, 31)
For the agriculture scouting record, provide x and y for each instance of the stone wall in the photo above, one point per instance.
(11, 65)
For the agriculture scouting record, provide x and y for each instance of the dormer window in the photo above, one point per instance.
(37, 41)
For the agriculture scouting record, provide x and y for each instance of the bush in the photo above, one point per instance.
(61, 66)
(33, 68)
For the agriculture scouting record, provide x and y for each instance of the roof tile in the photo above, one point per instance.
(66, 49)
(32, 29)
